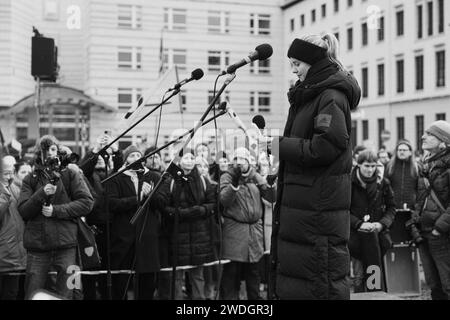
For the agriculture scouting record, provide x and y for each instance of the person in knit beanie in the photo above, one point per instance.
(432, 211)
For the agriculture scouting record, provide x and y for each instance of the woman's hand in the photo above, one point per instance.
(49, 189)
(367, 227)
(378, 226)
(435, 233)
(47, 211)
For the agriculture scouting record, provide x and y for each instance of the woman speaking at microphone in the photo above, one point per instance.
(310, 258)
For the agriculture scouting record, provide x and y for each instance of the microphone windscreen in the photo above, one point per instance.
(264, 51)
(223, 106)
(197, 74)
(259, 121)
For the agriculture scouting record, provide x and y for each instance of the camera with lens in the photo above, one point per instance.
(411, 226)
(52, 166)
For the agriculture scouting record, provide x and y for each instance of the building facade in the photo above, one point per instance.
(399, 52)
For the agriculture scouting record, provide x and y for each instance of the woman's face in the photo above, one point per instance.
(24, 170)
(223, 164)
(202, 151)
(187, 162)
(430, 142)
(154, 162)
(132, 157)
(299, 68)
(202, 168)
(52, 151)
(368, 169)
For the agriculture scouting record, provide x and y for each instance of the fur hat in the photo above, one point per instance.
(129, 150)
(441, 130)
(46, 142)
(242, 153)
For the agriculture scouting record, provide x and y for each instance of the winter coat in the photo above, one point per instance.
(71, 200)
(435, 174)
(403, 184)
(311, 223)
(243, 211)
(12, 252)
(126, 240)
(381, 209)
(197, 236)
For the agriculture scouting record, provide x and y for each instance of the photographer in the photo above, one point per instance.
(51, 199)
(372, 212)
(432, 212)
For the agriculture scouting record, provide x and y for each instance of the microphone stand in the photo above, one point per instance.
(178, 175)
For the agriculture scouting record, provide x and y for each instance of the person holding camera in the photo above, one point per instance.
(432, 211)
(241, 193)
(51, 200)
(134, 247)
(372, 212)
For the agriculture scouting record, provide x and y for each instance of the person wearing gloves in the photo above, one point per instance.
(50, 202)
(197, 225)
(133, 247)
(241, 193)
(372, 212)
(432, 211)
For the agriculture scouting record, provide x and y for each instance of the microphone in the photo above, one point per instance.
(262, 52)
(259, 123)
(197, 74)
(236, 119)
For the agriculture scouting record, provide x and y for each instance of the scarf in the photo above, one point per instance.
(370, 184)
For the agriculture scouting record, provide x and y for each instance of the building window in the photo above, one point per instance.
(349, 3)
(129, 58)
(313, 15)
(225, 96)
(400, 76)
(259, 101)
(128, 97)
(400, 128)
(440, 116)
(324, 10)
(175, 19)
(400, 23)
(419, 72)
(292, 25)
(336, 34)
(364, 32)
(381, 29)
(440, 68)
(430, 18)
(175, 57)
(302, 20)
(336, 5)
(218, 21)
(350, 38)
(419, 131)
(260, 67)
(381, 79)
(354, 134)
(365, 82)
(381, 127)
(365, 130)
(260, 24)
(441, 22)
(51, 10)
(129, 16)
(218, 60)
(419, 21)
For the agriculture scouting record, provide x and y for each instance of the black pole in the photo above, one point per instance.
(178, 183)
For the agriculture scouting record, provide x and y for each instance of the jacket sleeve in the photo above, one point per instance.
(118, 203)
(5, 200)
(355, 222)
(88, 163)
(330, 138)
(30, 201)
(442, 224)
(268, 193)
(227, 193)
(81, 202)
(389, 213)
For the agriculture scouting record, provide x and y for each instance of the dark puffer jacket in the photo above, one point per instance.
(71, 200)
(403, 184)
(311, 219)
(435, 172)
(198, 221)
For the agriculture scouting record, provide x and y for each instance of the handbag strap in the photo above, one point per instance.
(436, 200)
